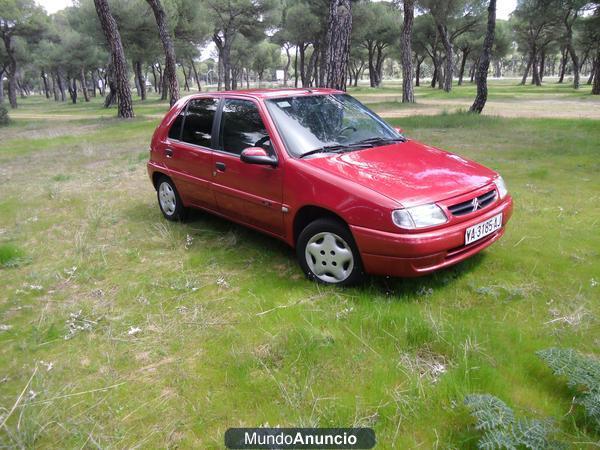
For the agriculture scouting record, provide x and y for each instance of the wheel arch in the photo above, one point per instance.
(157, 175)
(310, 213)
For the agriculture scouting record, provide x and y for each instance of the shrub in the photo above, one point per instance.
(3, 116)
(582, 374)
(501, 430)
(10, 256)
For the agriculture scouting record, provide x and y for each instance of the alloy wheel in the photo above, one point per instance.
(329, 257)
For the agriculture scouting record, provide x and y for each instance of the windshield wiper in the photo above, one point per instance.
(335, 148)
(380, 140)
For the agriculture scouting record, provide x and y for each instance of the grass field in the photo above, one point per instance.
(118, 329)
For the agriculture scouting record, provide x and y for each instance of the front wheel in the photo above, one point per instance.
(327, 253)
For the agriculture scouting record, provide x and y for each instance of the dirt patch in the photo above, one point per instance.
(557, 109)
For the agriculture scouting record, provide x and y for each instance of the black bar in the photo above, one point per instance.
(300, 438)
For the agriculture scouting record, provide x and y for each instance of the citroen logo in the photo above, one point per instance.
(476, 204)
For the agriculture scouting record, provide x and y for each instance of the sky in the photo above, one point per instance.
(505, 7)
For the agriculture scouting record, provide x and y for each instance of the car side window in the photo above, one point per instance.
(199, 117)
(242, 127)
(175, 130)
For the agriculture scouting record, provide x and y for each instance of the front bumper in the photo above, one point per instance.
(415, 254)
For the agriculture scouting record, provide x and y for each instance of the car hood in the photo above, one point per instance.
(409, 172)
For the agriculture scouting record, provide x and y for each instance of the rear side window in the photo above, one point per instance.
(197, 126)
(175, 130)
(242, 127)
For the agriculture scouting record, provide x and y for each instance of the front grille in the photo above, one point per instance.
(475, 204)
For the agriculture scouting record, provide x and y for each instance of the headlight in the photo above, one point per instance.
(501, 186)
(419, 216)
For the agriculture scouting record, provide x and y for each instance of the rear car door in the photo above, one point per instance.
(189, 153)
(248, 192)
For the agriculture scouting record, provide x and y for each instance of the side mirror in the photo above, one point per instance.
(257, 155)
(399, 130)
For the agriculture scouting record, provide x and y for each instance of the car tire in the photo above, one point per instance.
(328, 254)
(169, 201)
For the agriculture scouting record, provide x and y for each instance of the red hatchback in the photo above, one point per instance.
(319, 170)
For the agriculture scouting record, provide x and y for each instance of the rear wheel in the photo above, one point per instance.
(327, 253)
(169, 201)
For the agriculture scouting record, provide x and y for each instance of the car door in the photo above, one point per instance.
(248, 192)
(189, 153)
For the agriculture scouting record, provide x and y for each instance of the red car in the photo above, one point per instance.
(319, 170)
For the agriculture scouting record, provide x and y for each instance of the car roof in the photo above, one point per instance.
(273, 93)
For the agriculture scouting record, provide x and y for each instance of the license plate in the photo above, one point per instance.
(483, 229)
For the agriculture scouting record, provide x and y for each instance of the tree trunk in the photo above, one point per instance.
(186, 86)
(336, 47)
(21, 88)
(164, 88)
(575, 61)
(408, 93)
(165, 37)
(463, 62)
(473, 70)
(526, 74)
(571, 48)
(1, 86)
(296, 68)
(311, 66)
(196, 74)
(160, 78)
(287, 65)
(140, 81)
(136, 81)
(45, 80)
(302, 63)
(83, 85)
(234, 76)
(94, 83)
(12, 71)
(379, 65)
(314, 65)
(322, 58)
(484, 60)
(376, 58)
(418, 73)
(435, 74)
(592, 72)
(54, 86)
(111, 33)
(596, 70)
(449, 49)
(155, 85)
(542, 65)
(61, 86)
(227, 65)
(111, 97)
(224, 47)
(563, 65)
(102, 86)
(72, 87)
(220, 71)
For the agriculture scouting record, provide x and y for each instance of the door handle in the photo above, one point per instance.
(221, 166)
(168, 153)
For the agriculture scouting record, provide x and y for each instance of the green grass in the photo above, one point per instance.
(231, 334)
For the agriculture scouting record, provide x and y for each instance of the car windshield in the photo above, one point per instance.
(335, 122)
